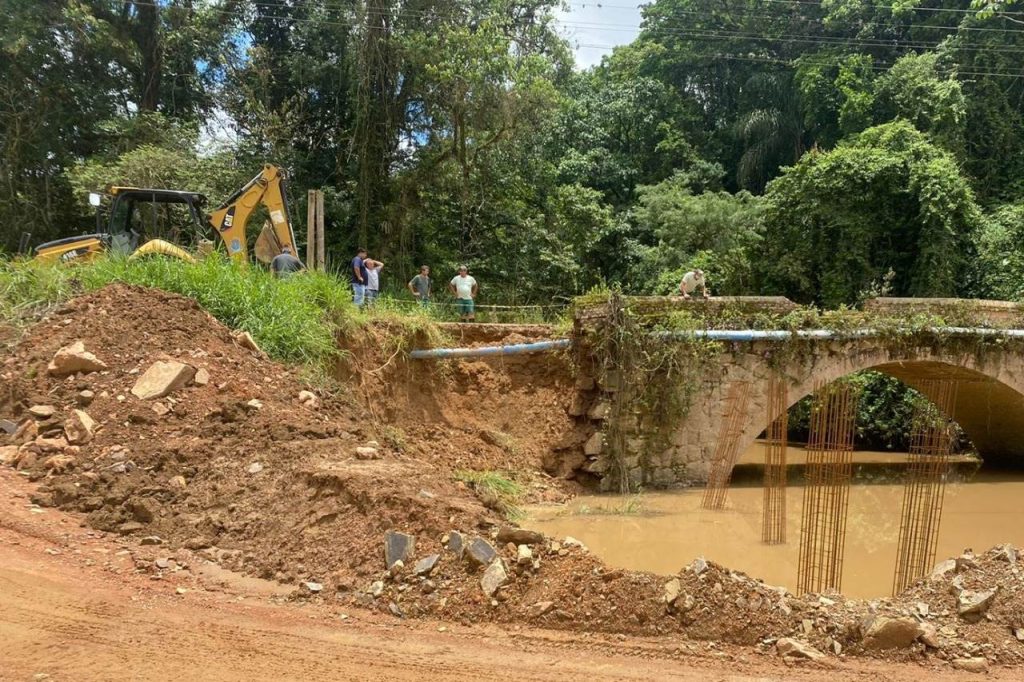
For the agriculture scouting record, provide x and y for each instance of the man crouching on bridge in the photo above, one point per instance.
(691, 281)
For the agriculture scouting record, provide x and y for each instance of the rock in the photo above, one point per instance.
(972, 605)
(312, 587)
(42, 411)
(930, 636)
(570, 541)
(397, 547)
(672, 589)
(922, 608)
(524, 556)
(309, 399)
(85, 398)
(143, 510)
(883, 632)
(794, 648)
(45, 445)
(202, 377)
(455, 543)
(58, 464)
(698, 565)
(480, 552)
(253, 405)
(943, 568)
(976, 664)
(151, 540)
(73, 359)
(245, 340)
(1019, 634)
(965, 562)
(162, 564)
(594, 444)
(540, 608)
(8, 427)
(7, 454)
(376, 588)
(518, 536)
(28, 431)
(425, 565)
(161, 379)
(178, 482)
(396, 610)
(1007, 553)
(364, 452)
(255, 468)
(79, 428)
(493, 578)
(161, 410)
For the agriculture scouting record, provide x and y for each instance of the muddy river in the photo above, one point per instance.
(664, 531)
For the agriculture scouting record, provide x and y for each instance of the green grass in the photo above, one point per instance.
(296, 320)
(632, 505)
(495, 487)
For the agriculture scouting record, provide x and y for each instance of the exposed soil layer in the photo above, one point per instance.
(303, 491)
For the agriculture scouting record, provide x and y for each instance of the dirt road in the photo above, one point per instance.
(73, 606)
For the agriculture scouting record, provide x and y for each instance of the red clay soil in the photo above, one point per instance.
(279, 490)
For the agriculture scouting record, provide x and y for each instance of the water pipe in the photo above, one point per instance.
(486, 351)
(738, 335)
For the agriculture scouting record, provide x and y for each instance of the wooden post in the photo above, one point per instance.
(311, 229)
(321, 255)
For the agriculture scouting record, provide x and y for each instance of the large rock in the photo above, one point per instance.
(73, 359)
(42, 411)
(162, 378)
(972, 606)
(493, 578)
(673, 588)
(79, 428)
(882, 632)
(518, 536)
(794, 648)
(8, 453)
(594, 444)
(8, 427)
(397, 547)
(455, 543)
(976, 664)
(480, 552)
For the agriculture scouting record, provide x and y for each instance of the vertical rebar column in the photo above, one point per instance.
(827, 488)
(726, 447)
(931, 442)
(773, 524)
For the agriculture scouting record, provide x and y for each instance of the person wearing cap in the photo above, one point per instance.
(464, 288)
(692, 281)
(284, 263)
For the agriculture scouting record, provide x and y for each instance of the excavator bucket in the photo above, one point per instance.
(267, 244)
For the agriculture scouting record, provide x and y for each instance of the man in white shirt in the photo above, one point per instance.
(464, 288)
(373, 268)
(692, 281)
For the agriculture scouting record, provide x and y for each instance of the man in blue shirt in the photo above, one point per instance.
(358, 277)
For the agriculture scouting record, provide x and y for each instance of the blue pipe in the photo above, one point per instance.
(485, 351)
(739, 335)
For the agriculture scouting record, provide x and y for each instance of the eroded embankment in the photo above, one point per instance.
(238, 465)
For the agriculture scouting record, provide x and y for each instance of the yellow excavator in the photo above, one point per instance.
(161, 221)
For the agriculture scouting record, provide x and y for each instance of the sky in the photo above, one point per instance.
(588, 24)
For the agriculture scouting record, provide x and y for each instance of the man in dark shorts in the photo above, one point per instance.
(285, 264)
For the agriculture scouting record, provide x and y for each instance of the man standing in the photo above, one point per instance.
(373, 268)
(464, 288)
(357, 273)
(420, 286)
(692, 281)
(284, 263)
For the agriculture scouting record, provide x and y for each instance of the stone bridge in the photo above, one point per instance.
(988, 368)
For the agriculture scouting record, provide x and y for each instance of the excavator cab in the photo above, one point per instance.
(133, 216)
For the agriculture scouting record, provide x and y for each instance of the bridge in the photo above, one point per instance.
(977, 344)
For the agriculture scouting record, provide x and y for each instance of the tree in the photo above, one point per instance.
(887, 198)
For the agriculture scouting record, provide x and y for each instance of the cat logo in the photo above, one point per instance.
(73, 254)
(229, 219)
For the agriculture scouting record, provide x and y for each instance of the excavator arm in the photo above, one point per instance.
(230, 218)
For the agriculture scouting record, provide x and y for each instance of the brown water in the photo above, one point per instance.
(670, 529)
